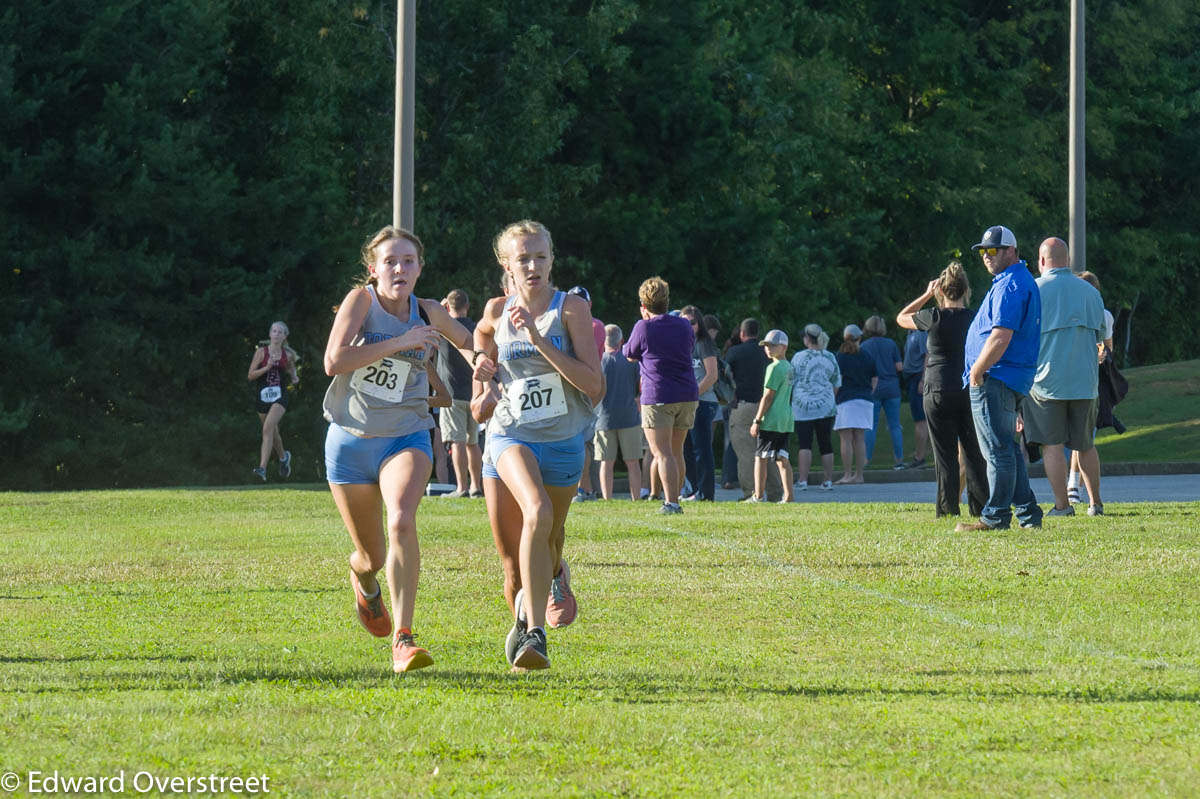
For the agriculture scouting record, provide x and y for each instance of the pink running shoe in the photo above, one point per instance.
(561, 608)
(406, 655)
(372, 613)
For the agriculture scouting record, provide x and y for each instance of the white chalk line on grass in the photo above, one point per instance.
(930, 609)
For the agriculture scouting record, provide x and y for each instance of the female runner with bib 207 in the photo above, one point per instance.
(377, 449)
(539, 341)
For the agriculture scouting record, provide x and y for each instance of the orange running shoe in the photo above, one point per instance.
(406, 655)
(561, 607)
(372, 613)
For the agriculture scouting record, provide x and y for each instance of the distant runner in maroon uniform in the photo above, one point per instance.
(271, 361)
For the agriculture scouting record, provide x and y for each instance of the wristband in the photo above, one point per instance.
(475, 356)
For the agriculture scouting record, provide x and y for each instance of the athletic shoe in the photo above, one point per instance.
(457, 493)
(784, 502)
(561, 607)
(518, 629)
(1095, 510)
(406, 655)
(1029, 526)
(670, 509)
(531, 653)
(689, 498)
(1067, 511)
(827, 485)
(261, 472)
(899, 467)
(285, 465)
(800, 485)
(1073, 495)
(583, 496)
(753, 499)
(372, 613)
(645, 494)
(477, 493)
(917, 463)
(972, 527)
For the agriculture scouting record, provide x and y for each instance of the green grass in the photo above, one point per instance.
(770, 651)
(1161, 412)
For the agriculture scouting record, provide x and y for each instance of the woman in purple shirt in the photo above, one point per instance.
(662, 344)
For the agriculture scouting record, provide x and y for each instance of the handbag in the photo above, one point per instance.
(724, 385)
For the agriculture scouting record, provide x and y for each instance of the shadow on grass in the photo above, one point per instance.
(625, 688)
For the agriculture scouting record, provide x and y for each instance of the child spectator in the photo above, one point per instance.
(773, 422)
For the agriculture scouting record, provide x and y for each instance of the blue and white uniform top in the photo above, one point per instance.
(538, 405)
(389, 397)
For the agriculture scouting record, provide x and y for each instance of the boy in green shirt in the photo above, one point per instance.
(773, 422)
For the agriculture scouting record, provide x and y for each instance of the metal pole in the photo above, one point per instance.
(402, 151)
(1077, 194)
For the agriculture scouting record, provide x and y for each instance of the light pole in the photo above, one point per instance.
(402, 151)
(1077, 193)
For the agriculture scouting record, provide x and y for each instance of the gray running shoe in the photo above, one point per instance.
(518, 629)
(1095, 510)
(670, 509)
(261, 472)
(1067, 511)
(285, 465)
(531, 654)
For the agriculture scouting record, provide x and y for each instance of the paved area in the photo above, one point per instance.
(1136, 488)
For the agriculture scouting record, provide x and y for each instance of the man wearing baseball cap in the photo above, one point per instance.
(1001, 358)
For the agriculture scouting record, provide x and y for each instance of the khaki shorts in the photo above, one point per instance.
(1070, 422)
(676, 415)
(458, 424)
(629, 440)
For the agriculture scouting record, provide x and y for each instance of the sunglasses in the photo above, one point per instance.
(992, 251)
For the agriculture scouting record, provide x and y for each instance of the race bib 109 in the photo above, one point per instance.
(270, 393)
(384, 379)
(539, 397)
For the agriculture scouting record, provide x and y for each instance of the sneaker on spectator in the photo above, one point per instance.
(1073, 495)
(285, 465)
(1095, 510)
(406, 655)
(899, 467)
(800, 485)
(645, 494)
(1067, 511)
(827, 485)
(670, 509)
(690, 498)
(753, 499)
(518, 629)
(372, 613)
(476, 493)
(583, 496)
(261, 472)
(457, 493)
(561, 607)
(917, 463)
(531, 653)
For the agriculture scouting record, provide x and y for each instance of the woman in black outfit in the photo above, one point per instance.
(947, 402)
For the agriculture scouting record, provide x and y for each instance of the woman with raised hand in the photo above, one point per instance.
(539, 342)
(272, 360)
(377, 449)
(947, 402)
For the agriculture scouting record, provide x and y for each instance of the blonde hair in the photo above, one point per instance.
(293, 356)
(386, 233)
(1091, 278)
(952, 284)
(526, 227)
(655, 294)
(874, 326)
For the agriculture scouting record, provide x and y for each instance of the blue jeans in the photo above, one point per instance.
(892, 408)
(698, 452)
(994, 409)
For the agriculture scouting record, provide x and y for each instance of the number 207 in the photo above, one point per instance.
(534, 399)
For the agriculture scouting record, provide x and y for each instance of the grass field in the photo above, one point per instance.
(824, 650)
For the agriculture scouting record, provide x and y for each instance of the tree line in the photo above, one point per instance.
(178, 174)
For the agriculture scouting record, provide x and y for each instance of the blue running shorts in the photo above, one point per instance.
(559, 462)
(350, 459)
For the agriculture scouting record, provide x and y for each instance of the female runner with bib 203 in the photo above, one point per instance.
(540, 343)
(378, 445)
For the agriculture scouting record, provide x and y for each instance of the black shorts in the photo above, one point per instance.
(771, 445)
(823, 428)
(265, 407)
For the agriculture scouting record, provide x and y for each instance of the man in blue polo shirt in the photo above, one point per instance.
(1001, 358)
